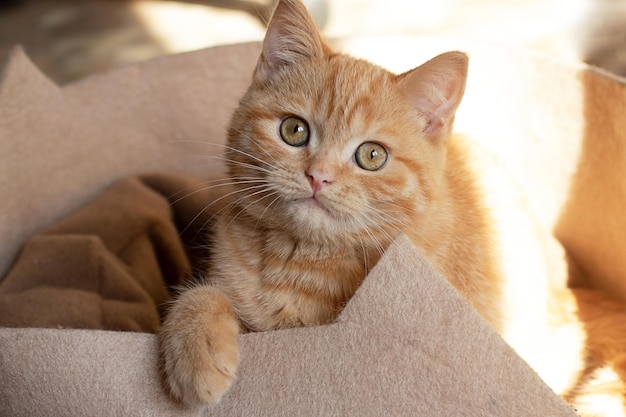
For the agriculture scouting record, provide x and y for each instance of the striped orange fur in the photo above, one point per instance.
(303, 224)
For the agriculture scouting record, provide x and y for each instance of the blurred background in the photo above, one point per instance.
(70, 39)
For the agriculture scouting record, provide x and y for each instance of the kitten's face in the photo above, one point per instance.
(328, 146)
(331, 148)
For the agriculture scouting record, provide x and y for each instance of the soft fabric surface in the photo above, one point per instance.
(109, 265)
(406, 344)
(373, 361)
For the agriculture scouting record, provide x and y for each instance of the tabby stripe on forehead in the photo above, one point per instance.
(344, 99)
(329, 93)
(360, 105)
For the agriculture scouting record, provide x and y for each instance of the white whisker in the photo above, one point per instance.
(251, 156)
(237, 163)
(239, 151)
(252, 203)
(217, 200)
(278, 197)
(223, 182)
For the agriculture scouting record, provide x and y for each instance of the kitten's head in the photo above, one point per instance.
(329, 146)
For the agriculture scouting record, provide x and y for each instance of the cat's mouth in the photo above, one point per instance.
(313, 202)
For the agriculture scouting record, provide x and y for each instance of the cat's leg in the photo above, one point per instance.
(198, 343)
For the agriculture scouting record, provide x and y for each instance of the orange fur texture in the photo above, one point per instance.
(597, 386)
(330, 158)
(590, 228)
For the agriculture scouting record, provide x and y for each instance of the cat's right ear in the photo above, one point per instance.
(290, 38)
(435, 90)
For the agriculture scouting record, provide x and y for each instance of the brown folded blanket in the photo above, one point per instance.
(109, 265)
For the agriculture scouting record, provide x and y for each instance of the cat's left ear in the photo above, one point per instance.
(291, 37)
(435, 89)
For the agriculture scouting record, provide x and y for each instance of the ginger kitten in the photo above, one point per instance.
(330, 159)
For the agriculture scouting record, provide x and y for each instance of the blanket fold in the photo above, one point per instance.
(110, 264)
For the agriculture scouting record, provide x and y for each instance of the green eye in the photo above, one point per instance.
(371, 156)
(294, 131)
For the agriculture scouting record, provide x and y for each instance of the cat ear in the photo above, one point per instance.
(435, 89)
(290, 38)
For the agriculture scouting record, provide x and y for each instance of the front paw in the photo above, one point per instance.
(199, 349)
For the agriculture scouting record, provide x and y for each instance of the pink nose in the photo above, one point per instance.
(319, 179)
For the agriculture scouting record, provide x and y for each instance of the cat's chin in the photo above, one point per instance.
(313, 214)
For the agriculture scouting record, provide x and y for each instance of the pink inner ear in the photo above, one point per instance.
(435, 88)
